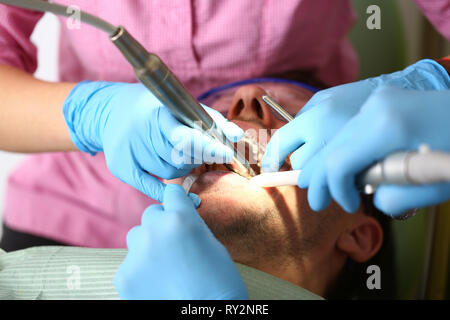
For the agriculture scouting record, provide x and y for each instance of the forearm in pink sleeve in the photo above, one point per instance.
(16, 27)
(438, 12)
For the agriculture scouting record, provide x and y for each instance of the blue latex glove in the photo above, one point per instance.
(139, 135)
(390, 120)
(174, 255)
(329, 110)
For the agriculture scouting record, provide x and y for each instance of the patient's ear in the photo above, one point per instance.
(362, 240)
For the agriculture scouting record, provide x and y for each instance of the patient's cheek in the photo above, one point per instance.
(219, 189)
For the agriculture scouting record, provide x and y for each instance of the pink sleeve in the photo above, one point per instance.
(438, 12)
(16, 48)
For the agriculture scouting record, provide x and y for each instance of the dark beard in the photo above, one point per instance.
(250, 239)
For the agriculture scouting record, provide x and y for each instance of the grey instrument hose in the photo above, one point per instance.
(407, 168)
(60, 10)
(152, 72)
(429, 167)
(420, 167)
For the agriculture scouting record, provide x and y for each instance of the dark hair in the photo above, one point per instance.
(351, 283)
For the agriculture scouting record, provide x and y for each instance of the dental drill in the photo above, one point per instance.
(152, 73)
(400, 168)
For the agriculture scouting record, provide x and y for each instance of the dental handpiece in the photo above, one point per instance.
(406, 168)
(152, 73)
(157, 77)
(399, 168)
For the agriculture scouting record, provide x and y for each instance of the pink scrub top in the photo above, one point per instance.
(72, 197)
(438, 12)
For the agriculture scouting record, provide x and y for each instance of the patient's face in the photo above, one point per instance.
(255, 223)
(266, 228)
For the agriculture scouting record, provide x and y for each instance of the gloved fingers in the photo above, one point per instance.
(179, 146)
(176, 200)
(395, 200)
(318, 194)
(361, 142)
(284, 141)
(315, 173)
(190, 147)
(133, 236)
(151, 214)
(315, 100)
(149, 185)
(307, 171)
(197, 148)
(233, 132)
(303, 154)
(341, 173)
(195, 199)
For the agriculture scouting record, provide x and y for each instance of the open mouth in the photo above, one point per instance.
(253, 153)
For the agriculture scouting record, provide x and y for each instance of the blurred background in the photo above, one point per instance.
(405, 37)
(45, 36)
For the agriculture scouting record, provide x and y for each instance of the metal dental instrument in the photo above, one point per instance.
(277, 108)
(399, 168)
(152, 72)
(406, 168)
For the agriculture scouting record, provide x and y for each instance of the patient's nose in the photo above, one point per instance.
(248, 105)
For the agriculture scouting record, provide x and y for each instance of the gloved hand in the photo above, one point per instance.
(329, 110)
(174, 255)
(390, 120)
(139, 135)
